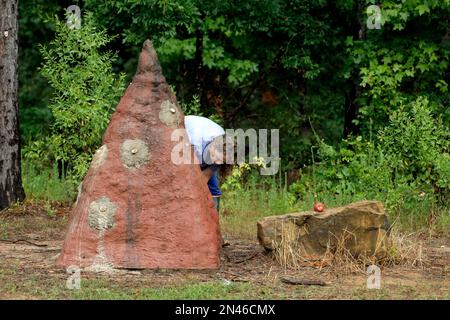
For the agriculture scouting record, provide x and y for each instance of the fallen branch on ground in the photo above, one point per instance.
(305, 282)
(24, 240)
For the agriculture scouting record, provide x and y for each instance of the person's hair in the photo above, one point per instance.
(221, 143)
(224, 141)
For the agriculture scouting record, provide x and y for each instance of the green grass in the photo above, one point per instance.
(243, 207)
(19, 283)
(245, 204)
(103, 289)
(97, 289)
(44, 184)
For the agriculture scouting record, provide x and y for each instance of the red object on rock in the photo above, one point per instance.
(319, 207)
(136, 208)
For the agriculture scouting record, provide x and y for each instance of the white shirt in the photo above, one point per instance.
(201, 131)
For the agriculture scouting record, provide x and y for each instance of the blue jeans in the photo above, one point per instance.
(213, 184)
(216, 203)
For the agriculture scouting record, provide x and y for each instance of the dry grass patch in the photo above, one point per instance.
(403, 249)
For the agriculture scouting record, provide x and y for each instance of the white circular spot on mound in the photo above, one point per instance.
(134, 153)
(169, 114)
(101, 214)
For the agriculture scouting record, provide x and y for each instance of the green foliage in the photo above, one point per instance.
(406, 166)
(416, 146)
(85, 91)
(248, 197)
(240, 174)
(230, 54)
(298, 66)
(34, 91)
(305, 54)
(350, 169)
(43, 183)
(405, 58)
(192, 107)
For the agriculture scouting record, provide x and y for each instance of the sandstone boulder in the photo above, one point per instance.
(136, 208)
(362, 226)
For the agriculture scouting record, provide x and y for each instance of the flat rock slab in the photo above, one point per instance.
(137, 209)
(361, 227)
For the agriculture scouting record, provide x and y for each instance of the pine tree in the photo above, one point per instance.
(11, 189)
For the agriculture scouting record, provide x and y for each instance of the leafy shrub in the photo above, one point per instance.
(417, 146)
(85, 91)
(240, 174)
(192, 107)
(407, 166)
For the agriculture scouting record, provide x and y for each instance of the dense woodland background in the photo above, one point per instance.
(362, 113)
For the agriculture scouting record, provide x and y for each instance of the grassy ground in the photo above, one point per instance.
(241, 209)
(31, 237)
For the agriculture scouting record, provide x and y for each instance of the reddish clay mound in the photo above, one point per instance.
(137, 209)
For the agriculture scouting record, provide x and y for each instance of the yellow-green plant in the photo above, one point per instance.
(85, 92)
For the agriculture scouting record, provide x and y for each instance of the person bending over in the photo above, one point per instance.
(209, 141)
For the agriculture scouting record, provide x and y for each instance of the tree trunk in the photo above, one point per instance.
(351, 109)
(351, 103)
(11, 189)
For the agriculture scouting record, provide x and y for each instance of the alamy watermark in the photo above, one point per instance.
(74, 280)
(235, 149)
(73, 17)
(373, 17)
(374, 277)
